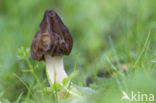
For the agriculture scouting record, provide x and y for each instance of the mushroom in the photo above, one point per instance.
(50, 43)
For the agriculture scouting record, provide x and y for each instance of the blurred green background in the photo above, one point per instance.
(114, 46)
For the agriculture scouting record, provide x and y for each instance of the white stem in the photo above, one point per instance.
(55, 65)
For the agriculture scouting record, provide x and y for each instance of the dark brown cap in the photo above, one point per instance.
(53, 37)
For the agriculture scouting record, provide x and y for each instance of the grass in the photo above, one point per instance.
(114, 50)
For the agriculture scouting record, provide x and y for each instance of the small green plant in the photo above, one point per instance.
(23, 54)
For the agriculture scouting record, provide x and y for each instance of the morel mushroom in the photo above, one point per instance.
(50, 43)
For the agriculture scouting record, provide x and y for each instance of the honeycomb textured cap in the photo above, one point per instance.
(53, 38)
